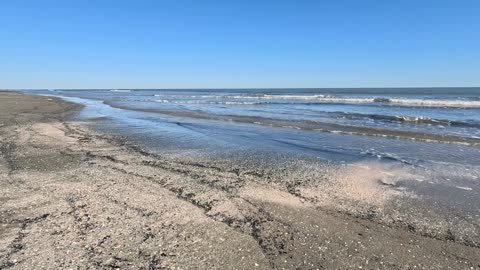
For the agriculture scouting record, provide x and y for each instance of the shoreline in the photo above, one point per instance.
(326, 127)
(74, 197)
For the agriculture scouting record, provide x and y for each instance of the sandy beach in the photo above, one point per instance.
(74, 198)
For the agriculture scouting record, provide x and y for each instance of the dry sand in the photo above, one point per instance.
(74, 198)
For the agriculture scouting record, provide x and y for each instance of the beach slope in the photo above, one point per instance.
(71, 197)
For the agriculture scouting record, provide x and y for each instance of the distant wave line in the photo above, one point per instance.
(121, 90)
(329, 98)
(209, 102)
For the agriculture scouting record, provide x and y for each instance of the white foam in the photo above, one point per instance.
(207, 102)
(330, 98)
(117, 90)
(394, 101)
(464, 188)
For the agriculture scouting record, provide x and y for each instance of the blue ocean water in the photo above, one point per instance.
(443, 111)
(409, 125)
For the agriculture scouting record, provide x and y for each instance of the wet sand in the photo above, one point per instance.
(71, 197)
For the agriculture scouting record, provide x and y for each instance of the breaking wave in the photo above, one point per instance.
(419, 102)
(408, 119)
(209, 102)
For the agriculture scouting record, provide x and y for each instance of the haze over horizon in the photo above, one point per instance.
(247, 44)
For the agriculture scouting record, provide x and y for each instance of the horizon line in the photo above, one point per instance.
(240, 88)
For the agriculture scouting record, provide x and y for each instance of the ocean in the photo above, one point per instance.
(445, 117)
(437, 115)
(422, 141)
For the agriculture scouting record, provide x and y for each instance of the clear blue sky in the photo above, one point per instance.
(237, 44)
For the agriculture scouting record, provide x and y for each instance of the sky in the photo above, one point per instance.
(239, 44)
